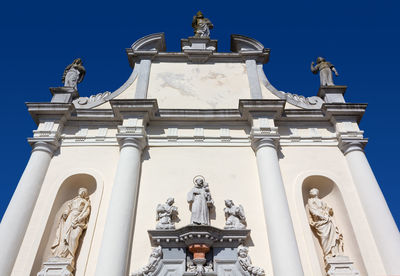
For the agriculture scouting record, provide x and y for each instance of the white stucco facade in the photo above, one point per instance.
(199, 112)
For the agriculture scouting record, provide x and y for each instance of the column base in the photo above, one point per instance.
(57, 267)
(340, 266)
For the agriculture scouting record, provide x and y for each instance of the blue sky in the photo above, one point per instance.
(361, 38)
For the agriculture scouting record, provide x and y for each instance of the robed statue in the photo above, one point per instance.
(167, 215)
(72, 223)
(321, 221)
(325, 70)
(201, 26)
(74, 74)
(200, 202)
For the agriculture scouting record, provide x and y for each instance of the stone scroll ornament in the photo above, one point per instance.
(72, 223)
(167, 215)
(200, 202)
(325, 70)
(201, 26)
(321, 221)
(154, 260)
(245, 262)
(234, 215)
(74, 74)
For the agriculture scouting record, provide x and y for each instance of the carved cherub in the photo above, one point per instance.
(167, 215)
(154, 260)
(245, 262)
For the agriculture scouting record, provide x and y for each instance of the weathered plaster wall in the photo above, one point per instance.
(198, 86)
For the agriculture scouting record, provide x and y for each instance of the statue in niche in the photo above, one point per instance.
(321, 221)
(245, 262)
(325, 69)
(74, 74)
(154, 260)
(234, 215)
(201, 25)
(167, 215)
(200, 202)
(72, 223)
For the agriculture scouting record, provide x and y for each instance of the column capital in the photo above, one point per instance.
(131, 140)
(49, 146)
(258, 142)
(349, 145)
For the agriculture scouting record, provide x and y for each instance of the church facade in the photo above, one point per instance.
(199, 162)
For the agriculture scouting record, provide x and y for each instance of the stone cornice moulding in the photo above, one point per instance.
(146, 48)
(254, 108)
(58, 111)
(126, 107)
(344, 110)
(249, 48)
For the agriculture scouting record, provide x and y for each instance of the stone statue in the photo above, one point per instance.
(200, 202)
(245, 262)
(198, 270)
(325, 69)
(321, 221)
(154, 260)
(234, 215)
(201, 25)
(72, 223)
(74, 74)
(167, 215)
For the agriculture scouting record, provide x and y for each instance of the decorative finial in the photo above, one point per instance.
(325, 69)
(74, 74)
(201, 26)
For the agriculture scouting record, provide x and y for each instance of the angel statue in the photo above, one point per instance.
(245, 262)
(201, 25)
(72, 223)
(321, 221)
(167, 215)
(74, 74)
(154, 260)
(200, 202)
(235, 217)
(325, 69)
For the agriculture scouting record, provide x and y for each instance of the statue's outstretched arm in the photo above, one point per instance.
(314, 69)
(335, 71)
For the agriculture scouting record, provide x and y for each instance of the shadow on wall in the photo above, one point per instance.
(331, 195)
(69, 190)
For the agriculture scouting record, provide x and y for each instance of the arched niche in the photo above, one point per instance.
(330, 193)
(68, 190)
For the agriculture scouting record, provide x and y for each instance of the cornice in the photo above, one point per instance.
(46, 110)
(344, 110)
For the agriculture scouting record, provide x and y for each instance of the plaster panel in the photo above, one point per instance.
(230, 172)
(99, 162)
(198, 86)
(298, 163)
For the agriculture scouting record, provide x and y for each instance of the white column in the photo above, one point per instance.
(282, 241)
(118, 231)
(19, 211)
(380, 219)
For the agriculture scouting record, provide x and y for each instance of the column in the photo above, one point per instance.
(282, 241)
(19, 211)
(380, 219)
(118, 231)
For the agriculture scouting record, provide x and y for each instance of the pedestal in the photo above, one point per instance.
(340, 266)
(57, 267)
(332, 93)
(63, 94)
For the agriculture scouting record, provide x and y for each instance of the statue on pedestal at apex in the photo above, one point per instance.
(325, 69)
(201, 26)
